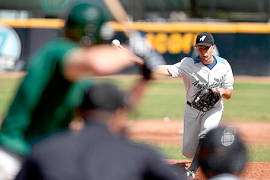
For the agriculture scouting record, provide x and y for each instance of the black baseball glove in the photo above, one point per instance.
(205, 99)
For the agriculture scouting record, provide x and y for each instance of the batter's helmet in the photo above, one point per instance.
(84, 23)
(222, 151)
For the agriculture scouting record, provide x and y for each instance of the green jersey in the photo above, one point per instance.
(45, 100)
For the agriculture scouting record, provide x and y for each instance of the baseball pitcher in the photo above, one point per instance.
(207, 79)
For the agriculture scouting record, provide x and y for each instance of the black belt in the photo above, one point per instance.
(189, 103)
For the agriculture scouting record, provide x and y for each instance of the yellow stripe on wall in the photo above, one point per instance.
(34, 23)
(199, 27)
(218, 27)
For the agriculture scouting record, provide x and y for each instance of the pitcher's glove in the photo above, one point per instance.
(205, 99)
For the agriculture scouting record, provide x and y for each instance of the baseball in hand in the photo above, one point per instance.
(116, 42)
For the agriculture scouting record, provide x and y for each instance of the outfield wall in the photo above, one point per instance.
(244, 45)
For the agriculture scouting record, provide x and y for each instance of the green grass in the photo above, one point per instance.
(8, 87)
(259, 153)
(250, 102)
(161, 100)
(166, 98)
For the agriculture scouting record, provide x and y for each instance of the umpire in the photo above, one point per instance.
(96, 152)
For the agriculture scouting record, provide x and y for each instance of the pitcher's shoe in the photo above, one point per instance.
(190, 174)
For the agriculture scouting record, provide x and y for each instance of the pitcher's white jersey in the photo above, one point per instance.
(196, 76)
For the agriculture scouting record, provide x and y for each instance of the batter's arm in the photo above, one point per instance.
(134, 97)
(162, 70)
(97, 60)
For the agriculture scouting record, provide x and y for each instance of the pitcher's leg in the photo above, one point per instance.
(191, 131)
(209, 120)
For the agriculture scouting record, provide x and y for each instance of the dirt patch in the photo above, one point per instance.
(253, 170)
(11, 74)
(171, 132)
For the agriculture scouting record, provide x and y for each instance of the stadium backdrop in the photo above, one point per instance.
(245, 45)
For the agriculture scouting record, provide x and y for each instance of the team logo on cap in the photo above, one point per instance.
(202, 38)
(228, 137)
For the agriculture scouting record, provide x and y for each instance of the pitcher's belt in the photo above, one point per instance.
(189, 103)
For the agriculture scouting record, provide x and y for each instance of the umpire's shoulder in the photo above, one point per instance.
(143, 149)
(51, 143)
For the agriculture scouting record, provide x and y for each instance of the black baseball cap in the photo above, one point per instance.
(205, 39)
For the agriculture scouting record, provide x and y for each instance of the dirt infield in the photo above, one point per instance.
(171, 132)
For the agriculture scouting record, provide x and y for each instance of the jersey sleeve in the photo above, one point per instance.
(176, 70)
(229, 79)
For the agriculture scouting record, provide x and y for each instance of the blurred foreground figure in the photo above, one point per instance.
(97, 152)
(222, 154)
(51, 89)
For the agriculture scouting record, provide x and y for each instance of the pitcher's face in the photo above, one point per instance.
(206, 53)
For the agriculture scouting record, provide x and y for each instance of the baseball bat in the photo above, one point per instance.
(119, 14)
